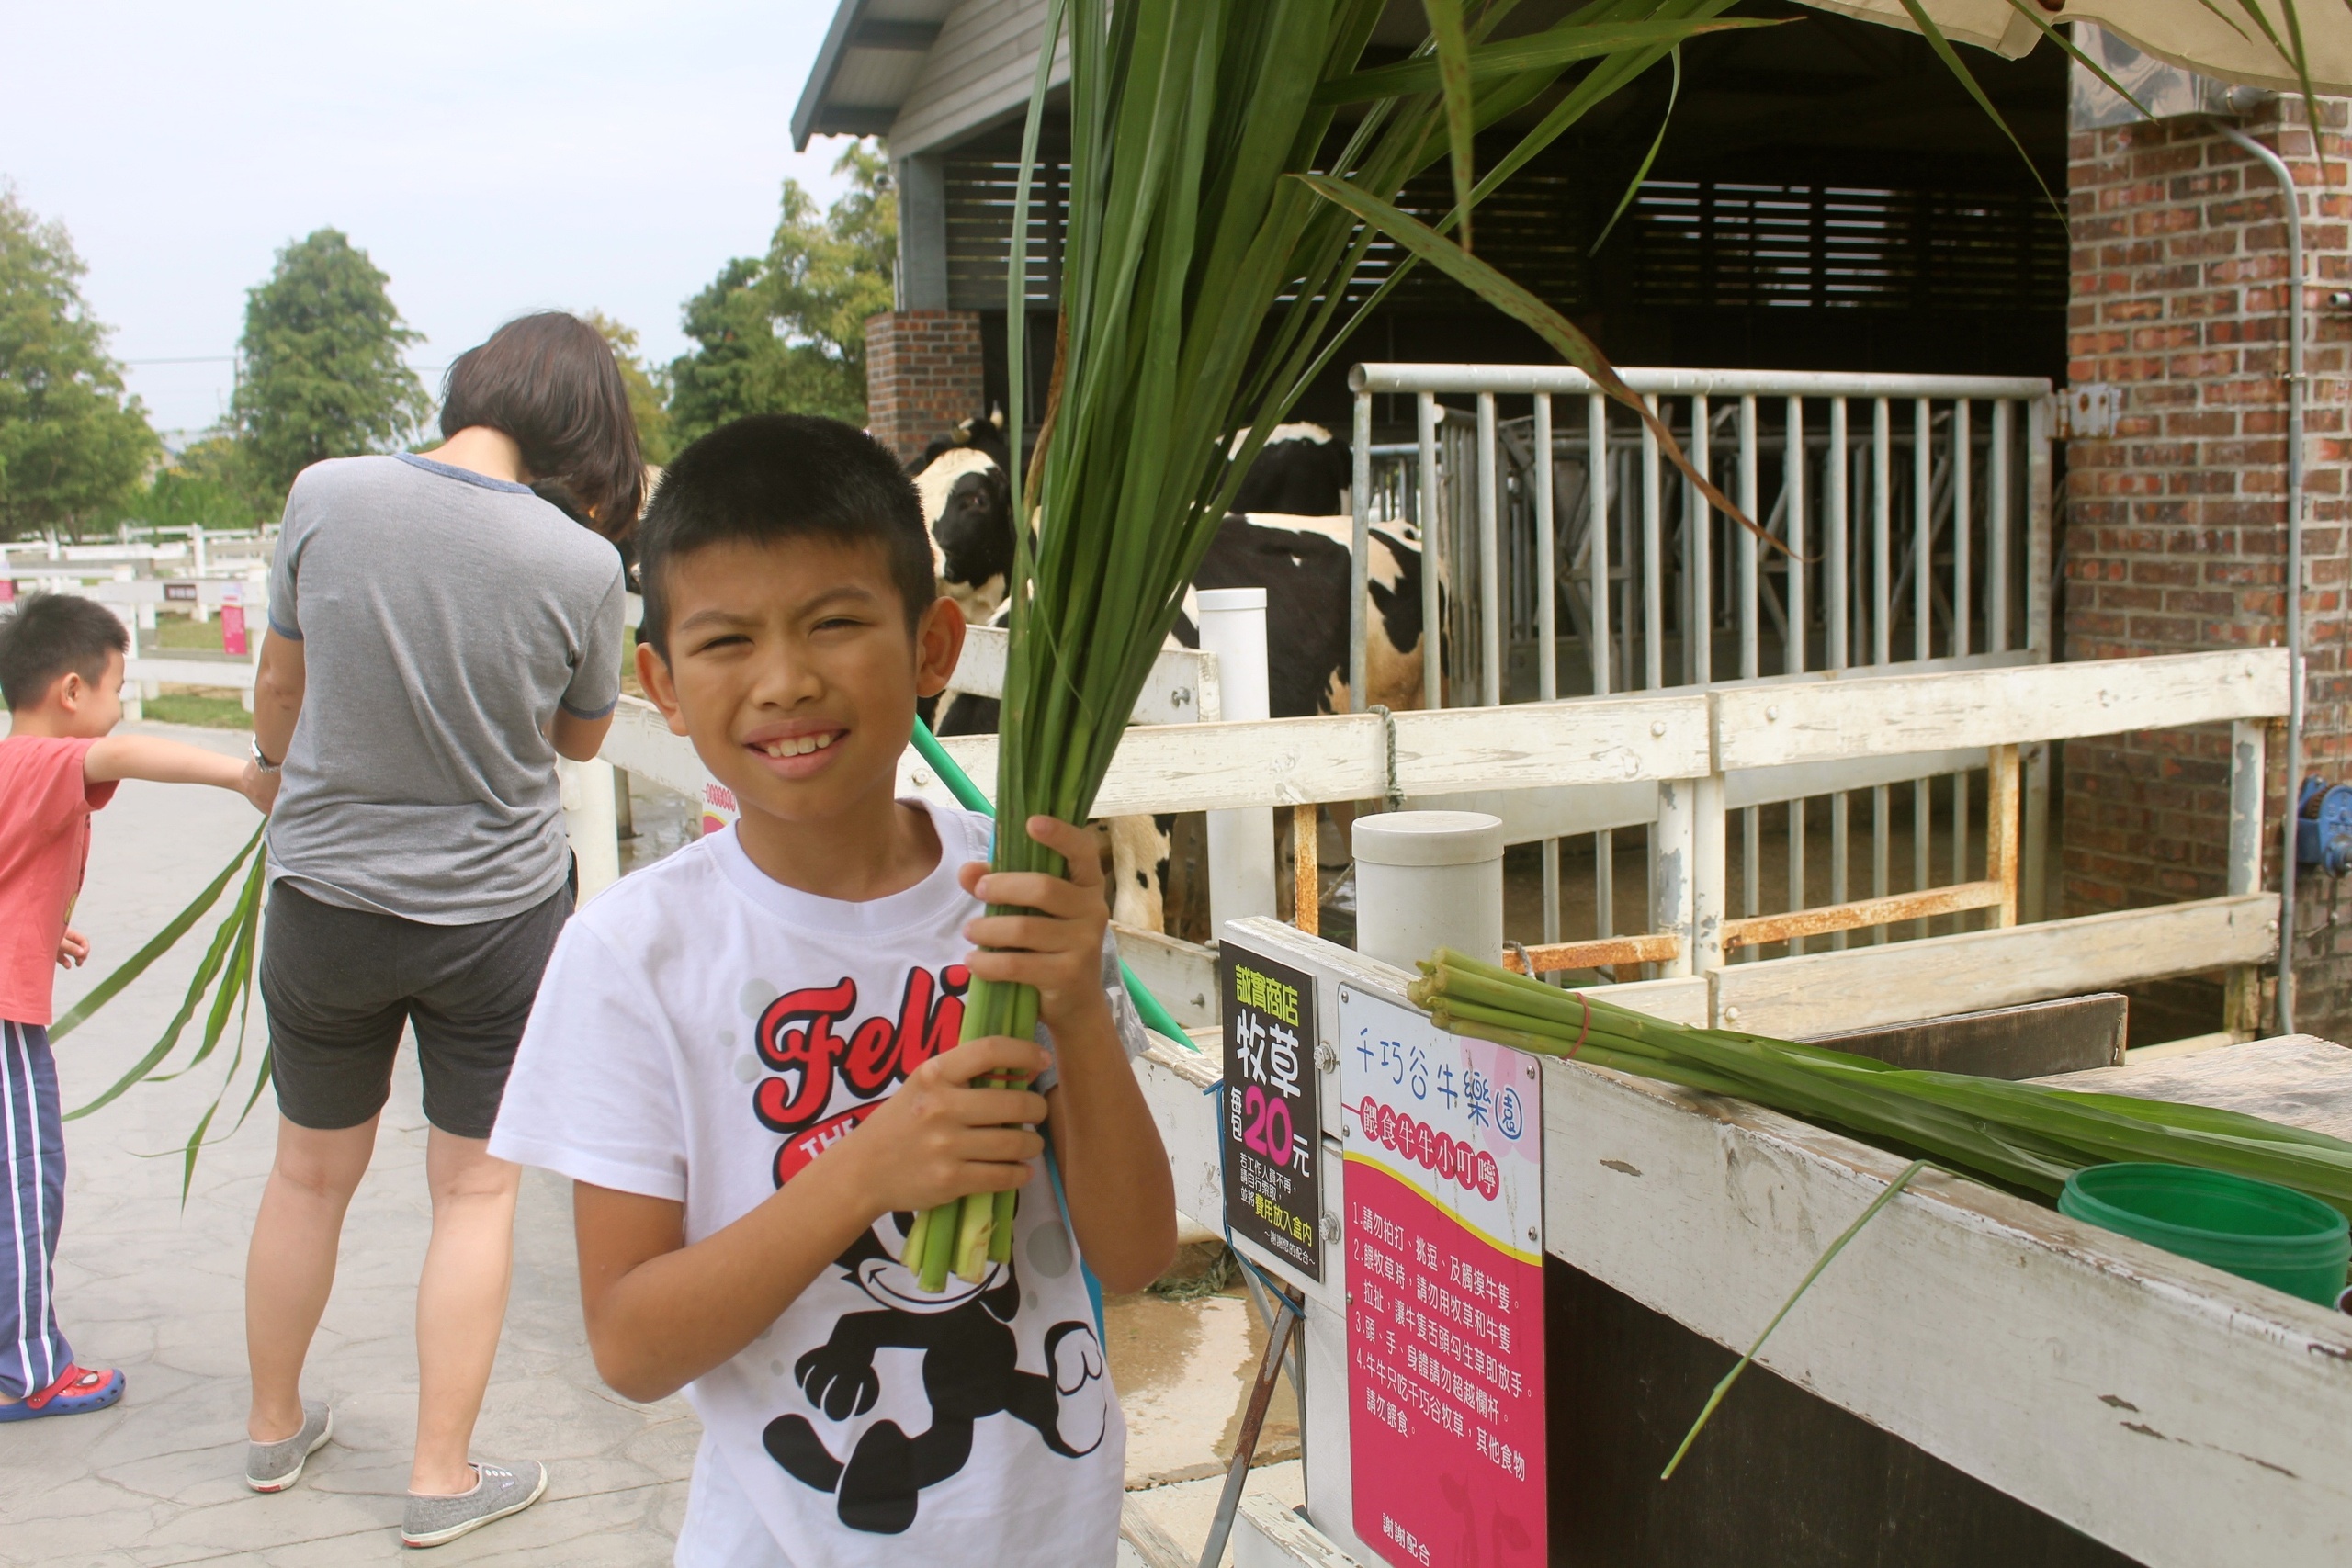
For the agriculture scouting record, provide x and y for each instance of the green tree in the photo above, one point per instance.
(785, 332)
(71, 446)
(648, 389)
(320, 372)
(207, 485)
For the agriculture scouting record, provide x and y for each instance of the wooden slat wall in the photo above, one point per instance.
(979, 72)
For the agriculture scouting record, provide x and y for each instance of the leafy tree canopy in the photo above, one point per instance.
(206, 485)
(72, 446)
(320, 373)
(785, 332)
(648, 389)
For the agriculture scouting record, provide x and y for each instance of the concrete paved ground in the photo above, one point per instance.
(156, 1290)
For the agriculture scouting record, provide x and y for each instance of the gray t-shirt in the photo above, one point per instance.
(443, 618)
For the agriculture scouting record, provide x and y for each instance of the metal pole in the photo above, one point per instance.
(1882, 615)
(1699, 636)
(1751, 825)
(1253, 1420)
(1653, 564)
(1923, 630)
(1604, 842)
(1836, 607)
(1432, 557)
(1547, 649)
(1491, 559)
(1794, 460)
(1360, 502)
(2294, 584)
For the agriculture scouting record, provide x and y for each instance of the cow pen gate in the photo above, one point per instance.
(1913, 518)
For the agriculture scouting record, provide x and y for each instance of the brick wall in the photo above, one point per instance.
(2176, 524)
(923, 376)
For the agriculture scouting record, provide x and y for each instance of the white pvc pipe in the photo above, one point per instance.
(591, 821)
(2292, 202)
(1426, 880)
(1242, 843)
(1560, 380)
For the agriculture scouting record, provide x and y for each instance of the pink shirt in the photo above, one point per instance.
(45, 809)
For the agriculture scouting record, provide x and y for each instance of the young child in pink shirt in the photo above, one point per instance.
(61, 671)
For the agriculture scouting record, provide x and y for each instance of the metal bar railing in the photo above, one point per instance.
(1563, 556)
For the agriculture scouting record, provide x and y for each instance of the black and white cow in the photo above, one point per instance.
(1301, 472)
(1300, 558)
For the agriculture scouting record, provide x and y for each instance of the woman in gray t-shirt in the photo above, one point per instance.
(439, 634)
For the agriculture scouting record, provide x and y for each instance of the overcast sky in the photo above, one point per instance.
(491, 155)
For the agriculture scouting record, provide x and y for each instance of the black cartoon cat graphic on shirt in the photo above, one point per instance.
(970, 1372)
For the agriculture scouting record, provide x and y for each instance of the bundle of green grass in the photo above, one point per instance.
(2024, 1136)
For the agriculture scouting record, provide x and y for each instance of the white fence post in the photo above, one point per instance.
(590, 822)
(1242, 843)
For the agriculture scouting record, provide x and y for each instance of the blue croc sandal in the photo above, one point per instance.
(80, 1390)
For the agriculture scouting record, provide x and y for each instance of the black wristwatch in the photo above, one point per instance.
(264, 764)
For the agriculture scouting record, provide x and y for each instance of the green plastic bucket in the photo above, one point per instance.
(2258, 1230)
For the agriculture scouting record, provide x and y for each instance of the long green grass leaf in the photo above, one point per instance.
(1454, 75)
(1523, 307)
(1967, 79)
(163, 941)
(215, 955)
(1634, 186)
(1880, 1202)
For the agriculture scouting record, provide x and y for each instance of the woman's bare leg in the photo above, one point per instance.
(290, 1266)
(460, 1302)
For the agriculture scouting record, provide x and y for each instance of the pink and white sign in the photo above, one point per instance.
(1445, 1194)
(232, 625)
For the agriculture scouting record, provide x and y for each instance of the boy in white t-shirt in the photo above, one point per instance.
(746, 1058)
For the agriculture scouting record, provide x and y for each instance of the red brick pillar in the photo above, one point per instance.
(2176, 519)
(923, 376)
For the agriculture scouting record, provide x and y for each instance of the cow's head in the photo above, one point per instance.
(967, 506)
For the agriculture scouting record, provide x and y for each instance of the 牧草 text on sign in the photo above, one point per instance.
(1270, 1129)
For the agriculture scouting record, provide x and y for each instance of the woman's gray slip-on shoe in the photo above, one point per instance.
(272, 1467)
(502, 1489)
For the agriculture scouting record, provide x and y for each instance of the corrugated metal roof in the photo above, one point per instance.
(872, 56)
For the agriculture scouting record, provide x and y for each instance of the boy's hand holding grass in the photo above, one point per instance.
(945, 1132)
(1056, 945)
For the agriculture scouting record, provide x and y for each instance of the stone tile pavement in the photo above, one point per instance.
(157, 1289)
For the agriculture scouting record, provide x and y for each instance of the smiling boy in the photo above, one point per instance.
(746, 1058)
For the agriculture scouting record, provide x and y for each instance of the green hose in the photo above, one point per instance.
(1155, 1017)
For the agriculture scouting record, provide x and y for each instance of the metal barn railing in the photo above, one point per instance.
(1910, 525)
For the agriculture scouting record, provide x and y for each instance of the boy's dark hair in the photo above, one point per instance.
(770, 478)
(549, 380)
(53, 635)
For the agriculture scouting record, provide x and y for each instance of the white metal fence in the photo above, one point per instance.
(1909, 521)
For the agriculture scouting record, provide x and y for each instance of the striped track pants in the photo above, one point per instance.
(33, 1354)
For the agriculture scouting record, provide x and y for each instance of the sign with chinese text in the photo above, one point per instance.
(179, 593)
(232, 626)
(1272, 1127)
(1445, 1194)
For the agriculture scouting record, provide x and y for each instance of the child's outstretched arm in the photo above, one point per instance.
(170, 761)
(1114, 1172)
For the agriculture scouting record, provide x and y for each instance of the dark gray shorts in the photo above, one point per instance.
(340, 983)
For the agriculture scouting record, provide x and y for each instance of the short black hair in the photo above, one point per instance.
(769, 478)
(53, 635)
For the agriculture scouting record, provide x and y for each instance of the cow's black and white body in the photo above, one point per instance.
(1301, 471)
(1300, 557)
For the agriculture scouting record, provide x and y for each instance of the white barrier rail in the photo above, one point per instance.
(1681, 761)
